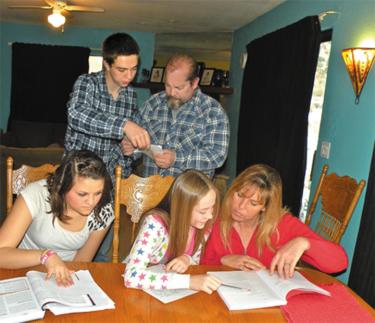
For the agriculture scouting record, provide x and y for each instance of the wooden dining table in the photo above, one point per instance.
(134, 305)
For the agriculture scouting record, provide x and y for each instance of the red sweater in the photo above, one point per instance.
(322, 254)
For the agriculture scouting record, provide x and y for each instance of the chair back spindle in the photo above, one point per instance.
(18, 179)
(138, 195)
(338, 196)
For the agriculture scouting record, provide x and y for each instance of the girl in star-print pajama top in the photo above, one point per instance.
(173, 234)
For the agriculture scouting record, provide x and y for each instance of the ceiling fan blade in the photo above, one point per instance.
(50, 3)
(66, 13)
(28, 7)
(83, 8)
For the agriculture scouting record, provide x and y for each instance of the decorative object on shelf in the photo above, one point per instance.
(200, 68)
(145, 75)
(210, 90)
(218, 78)
(358, 62)
(225, 79)
(157, 74)
(207, 76)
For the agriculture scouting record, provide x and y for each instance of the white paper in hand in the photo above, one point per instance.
(153, 148)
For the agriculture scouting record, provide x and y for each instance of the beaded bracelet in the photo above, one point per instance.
(45, 255)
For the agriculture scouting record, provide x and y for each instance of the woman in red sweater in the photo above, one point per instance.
(255, 231)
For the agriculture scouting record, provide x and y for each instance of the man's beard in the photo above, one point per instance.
(174, 103)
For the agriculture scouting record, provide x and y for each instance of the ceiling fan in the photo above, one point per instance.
(58, 7)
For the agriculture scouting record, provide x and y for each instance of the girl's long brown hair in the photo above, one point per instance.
(76, 163)
(177, 207)
(268, 181)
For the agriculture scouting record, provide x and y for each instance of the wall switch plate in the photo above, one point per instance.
(325, 149)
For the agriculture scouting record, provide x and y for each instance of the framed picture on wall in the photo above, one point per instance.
(157, 74)
(207, 75)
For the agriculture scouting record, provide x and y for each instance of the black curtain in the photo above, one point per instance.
(276, 92)
(362, 273)
(42, 79)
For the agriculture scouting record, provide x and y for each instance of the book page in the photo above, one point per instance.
(47, 291)
(167, 295)
(99, 298)
(253, 294)
(18, 302)
(284, 286)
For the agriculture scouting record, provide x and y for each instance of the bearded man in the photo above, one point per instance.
(191, 127)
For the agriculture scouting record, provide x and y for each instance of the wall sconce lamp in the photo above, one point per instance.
(358, 62)
(56, 19)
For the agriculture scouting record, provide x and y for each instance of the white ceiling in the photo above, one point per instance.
(206, 24)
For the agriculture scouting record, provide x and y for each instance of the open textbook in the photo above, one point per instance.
(167, 295)
(26, 298)
(257, 289)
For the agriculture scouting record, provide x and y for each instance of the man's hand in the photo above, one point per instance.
(164, 159)
(137, 136)
(126, 147)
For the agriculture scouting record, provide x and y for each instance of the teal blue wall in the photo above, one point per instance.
(42, 34)
(350, 128)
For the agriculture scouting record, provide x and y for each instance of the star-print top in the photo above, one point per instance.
(150, 248)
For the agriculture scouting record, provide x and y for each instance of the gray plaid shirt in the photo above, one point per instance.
(199, 134)
(96, 120)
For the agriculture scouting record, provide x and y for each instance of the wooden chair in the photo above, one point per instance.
(139, 195)
(18, 179)
(339, 196)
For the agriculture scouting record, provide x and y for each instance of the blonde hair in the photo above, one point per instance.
(268, 182)
(177, 207)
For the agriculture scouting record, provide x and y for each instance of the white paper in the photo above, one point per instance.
(148, 152)
(24, 298)
(18, 302)
(46, 290)
(167, 295)
(86, 286)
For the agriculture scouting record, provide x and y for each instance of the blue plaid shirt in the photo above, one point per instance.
(96, 121)
(199, 135)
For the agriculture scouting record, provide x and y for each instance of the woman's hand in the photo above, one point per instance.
(206, 283)
(179, 264)
(286, 258)
(56, 267)
(241, 262)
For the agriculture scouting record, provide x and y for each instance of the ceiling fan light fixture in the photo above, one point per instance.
(56, 19)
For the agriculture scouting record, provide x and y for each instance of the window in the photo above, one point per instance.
(315, 114)
(95, 64)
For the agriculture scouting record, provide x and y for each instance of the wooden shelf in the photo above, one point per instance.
(157, 87)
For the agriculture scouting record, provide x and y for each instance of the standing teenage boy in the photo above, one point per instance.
(101, 107)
